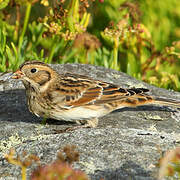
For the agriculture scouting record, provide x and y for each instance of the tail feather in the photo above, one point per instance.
(167, 102)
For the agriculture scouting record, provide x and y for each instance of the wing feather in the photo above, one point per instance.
(80, 90)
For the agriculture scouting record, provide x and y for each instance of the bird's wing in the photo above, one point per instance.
(80, 90)
(113, 93)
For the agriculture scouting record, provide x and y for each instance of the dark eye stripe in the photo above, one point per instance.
(45, 80)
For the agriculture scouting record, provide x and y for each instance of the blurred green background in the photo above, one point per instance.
(138, 37)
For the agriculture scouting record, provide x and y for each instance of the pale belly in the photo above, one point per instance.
(78, 113)
(67, 114)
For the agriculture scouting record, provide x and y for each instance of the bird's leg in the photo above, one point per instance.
(90, 123)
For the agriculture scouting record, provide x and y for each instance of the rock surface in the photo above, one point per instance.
(123, 146)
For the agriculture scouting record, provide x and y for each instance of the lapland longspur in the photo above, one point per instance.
(73, 97)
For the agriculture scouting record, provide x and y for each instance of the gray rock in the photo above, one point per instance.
(123, 146)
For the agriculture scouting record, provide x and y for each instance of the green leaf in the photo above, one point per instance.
(3, 3)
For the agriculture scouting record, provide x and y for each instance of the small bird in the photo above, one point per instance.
(77, 98)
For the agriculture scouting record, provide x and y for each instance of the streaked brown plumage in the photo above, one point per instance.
(73, 97)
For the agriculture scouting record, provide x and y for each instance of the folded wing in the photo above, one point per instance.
(79, 90)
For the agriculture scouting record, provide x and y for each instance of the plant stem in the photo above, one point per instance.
(73, 15)
(26, 19)
(115, 54)
(23, 172)
(52, 53)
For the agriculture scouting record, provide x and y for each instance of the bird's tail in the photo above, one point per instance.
(166, 102)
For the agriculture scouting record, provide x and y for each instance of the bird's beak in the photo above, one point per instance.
(17, 75)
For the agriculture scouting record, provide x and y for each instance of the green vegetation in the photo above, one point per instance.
(138, 37)
(169, 164)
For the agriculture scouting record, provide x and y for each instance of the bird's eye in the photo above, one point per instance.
(33, 70)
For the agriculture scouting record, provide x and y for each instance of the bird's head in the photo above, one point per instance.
(35, 73)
